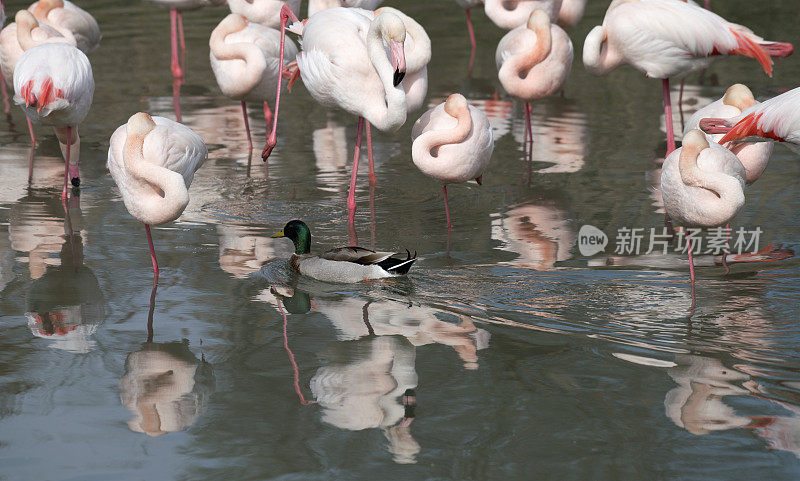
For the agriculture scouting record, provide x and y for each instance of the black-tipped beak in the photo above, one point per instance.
(398, 77)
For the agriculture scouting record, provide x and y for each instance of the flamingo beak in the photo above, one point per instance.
(398, 61)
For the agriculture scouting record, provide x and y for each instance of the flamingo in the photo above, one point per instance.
(510, 14)
(571, 12)
(534, 61)
(176, 7)
(264, 12)
(344, 64)
(244, 58)
(452, 143)
(153, 161)
(69, 20)
(777, 118)
(315, 6)
(737, 99)
(53, 84)
(670, 38)
(702, 185)
(22, 34)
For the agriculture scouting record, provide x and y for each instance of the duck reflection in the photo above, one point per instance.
(244, 249)
(64, 301)
(166, 387)
(539, 234)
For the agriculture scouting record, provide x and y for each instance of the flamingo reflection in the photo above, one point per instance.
(539, 234)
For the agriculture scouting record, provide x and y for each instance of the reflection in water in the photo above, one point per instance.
(330, 154)
(692, 101)
(166, 387)
(539, 234)
(560, 135)
(244, 249)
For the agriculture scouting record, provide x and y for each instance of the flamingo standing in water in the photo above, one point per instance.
(53, 84)
(176, 7)
(510, 14)
(315, 6)
(702, 185)
(264, 12)
(69, 20)
(670, 38)
(21, 35)
(467, 5)
(153, 161)
(738, 98)
(460, 136)
(244, 58)
(356, 60)
(534, 61)
(777, 118)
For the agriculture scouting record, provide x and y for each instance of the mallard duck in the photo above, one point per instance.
(343, 264)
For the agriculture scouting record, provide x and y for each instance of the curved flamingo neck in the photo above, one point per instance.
(726, 188)
(427, 145)
(44, 7)
(254, 63)
(598, 56)
(161, 196)
(391, 115)
(25, 25)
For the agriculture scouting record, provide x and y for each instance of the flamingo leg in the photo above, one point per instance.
(267, 117)
(668, 117)
(182, 40)
(471, 39)
(707, 4)
(247, 126)
(152, 253)
(286, 13)
(725, 253)
(177, 72)
(30, 129)
(74, 173)
(372, 178)
(176, 98)
(691, 259)
(64, 193)
(446, 207)
(351, 195)
(529, 128)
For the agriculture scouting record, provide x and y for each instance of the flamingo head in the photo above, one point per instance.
(43, 8)
(455, 104)
(695, 141)
(140, 123)
(25, 20)
(47, 95)
(394, 34)
(739, 96)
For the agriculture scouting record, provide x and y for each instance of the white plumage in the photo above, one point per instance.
(511, 14)
(70, 20)
(23, 34)
(264, 12)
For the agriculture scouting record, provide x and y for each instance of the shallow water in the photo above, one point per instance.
(504, 354)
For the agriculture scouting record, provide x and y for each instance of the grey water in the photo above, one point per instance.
(504, 354)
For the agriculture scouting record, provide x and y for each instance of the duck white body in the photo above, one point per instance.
(161, 162)
(264, 12)
(754, 156)
(510, 14)
(70, 20)
(23, 34)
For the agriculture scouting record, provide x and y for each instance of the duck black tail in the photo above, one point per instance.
(398, 266)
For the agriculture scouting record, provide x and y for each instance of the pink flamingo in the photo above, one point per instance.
(467, 5)
(263, 12)
(69, 20)
(702, 185)
(21, 35)
(176, 7)
(53, 84)
(534, 61)
(315, 6)
(462, 138)
(571, 12)
(777, 118)
(244, 57)
(753, 155)
(153, 161)
(670, 38)
(344, 63)
(510, 14)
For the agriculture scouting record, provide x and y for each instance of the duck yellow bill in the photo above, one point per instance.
(279, 234)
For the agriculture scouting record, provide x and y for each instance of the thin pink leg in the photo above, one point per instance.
(177, 72)
(286, 13)
(471, 40)
(176, 98)
(74, 173)
(30, 129)
(725, 253)
(247, 125)
(66, 164)
(528, 112)
(152, 253)
(182, 40)
(267, 117)
(446, 207)
(372, 178)
(351, 195)
(668, 117)
(691, 260)
(707, 4)
(295, 368)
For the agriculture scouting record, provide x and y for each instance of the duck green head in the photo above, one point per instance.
(298, 232)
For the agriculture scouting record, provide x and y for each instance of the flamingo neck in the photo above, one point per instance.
(391, 115)
(161, 195)
(420, 55)
(44, 7)
(246, 77)
(25, 25)
(426, 146)
(514, 72)
(727, 189)
(599, 57)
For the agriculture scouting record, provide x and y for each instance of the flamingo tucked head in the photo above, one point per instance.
(44, 6)
(394, 34)
(739, 96)
(46, 96)
(455, 104)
